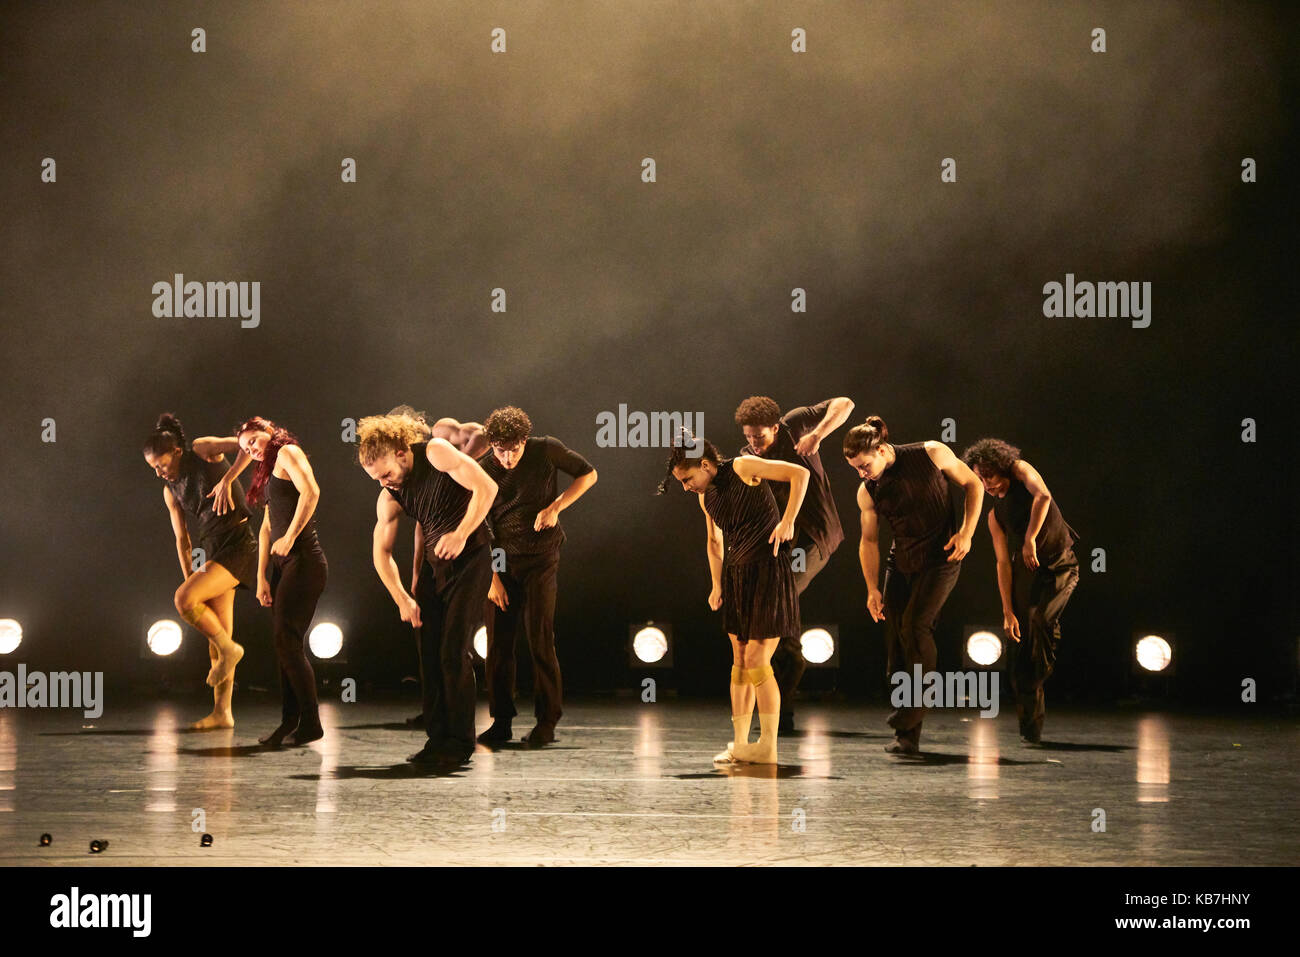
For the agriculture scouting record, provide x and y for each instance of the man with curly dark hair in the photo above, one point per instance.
(525, 519)
(1037, 570)
(795, 437)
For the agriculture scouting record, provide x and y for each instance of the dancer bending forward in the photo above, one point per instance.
(753, 577)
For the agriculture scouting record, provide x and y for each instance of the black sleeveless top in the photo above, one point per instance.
(282, 501)
(745, 513)
(437, 501)
(197, 478)
(525, 490)
(1012, 513)
(912, 494)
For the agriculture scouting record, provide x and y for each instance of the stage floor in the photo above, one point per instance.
(632, 783)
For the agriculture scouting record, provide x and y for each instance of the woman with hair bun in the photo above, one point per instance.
(908, 486)
(227, 553)
(291, 566)
(754, 586)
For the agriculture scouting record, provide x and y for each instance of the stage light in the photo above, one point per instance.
(326, 640)
(820, 646)
(11, 635)
(1153, 653)
(480, 642)
(164, 637)
(650, 645)
(984, 648)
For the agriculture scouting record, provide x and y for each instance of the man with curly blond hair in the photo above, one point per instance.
(449, 495)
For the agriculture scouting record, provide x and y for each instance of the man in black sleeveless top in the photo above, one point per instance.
(1037, 571)
(796, 437)
(525, 520)
(449, 495)
(908, 486)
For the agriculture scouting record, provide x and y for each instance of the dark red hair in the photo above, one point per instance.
(279, 438)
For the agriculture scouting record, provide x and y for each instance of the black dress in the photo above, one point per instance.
(225, 539)
(759, 599)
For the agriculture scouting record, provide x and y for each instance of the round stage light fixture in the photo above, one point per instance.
(650, 644)
(984, 648)
(817, 645)
(11, 635)
(1154, 653)
(480, 642)
(326, 640)
(164, 637)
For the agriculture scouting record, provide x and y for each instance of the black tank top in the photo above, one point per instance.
(197, 478)
(912, 494)
(1012, 513)
(745, 513)
(282, 500)
(437, 501)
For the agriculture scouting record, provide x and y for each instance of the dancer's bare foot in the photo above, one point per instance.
(225, 664)
(214, 722)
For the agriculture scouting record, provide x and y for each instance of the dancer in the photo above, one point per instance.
(470, 438)
(525, 520)
(449, 494)
(1036, 564)
(796, 437)
(908, 486)
(228, 553)
(754, 587)
(288, 548)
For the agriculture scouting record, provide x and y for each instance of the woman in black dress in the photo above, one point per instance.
(752, 572)
(291, 568)
(226, 558)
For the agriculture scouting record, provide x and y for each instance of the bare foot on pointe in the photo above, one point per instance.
(214, 722)
(225, 666)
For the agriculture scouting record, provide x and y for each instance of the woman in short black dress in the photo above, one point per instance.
(292, 570)
(226, 558)
(753, 577)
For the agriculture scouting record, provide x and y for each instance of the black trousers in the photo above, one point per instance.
(530, 583)
(450, 595)
(787, 660)
(297, 581)
(912, 606)
(1032, 659)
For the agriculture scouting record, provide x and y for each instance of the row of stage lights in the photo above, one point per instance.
(649, 644)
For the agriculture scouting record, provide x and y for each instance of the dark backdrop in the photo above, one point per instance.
(775, 170)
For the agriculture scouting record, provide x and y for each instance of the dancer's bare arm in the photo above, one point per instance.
(469, 437)
(958, 471)
(838, 411)
(1003, 553)
(715, 547)
(869, 552)
(264, 559)
(470, 475)
(213, 448)
(752, 469)
(1037, 511)
(178, 528)
(294, 461)
(387, 512)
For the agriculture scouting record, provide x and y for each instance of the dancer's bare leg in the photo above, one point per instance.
(742, 702)
(192, 601)
(758, 667)
(222, 716)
